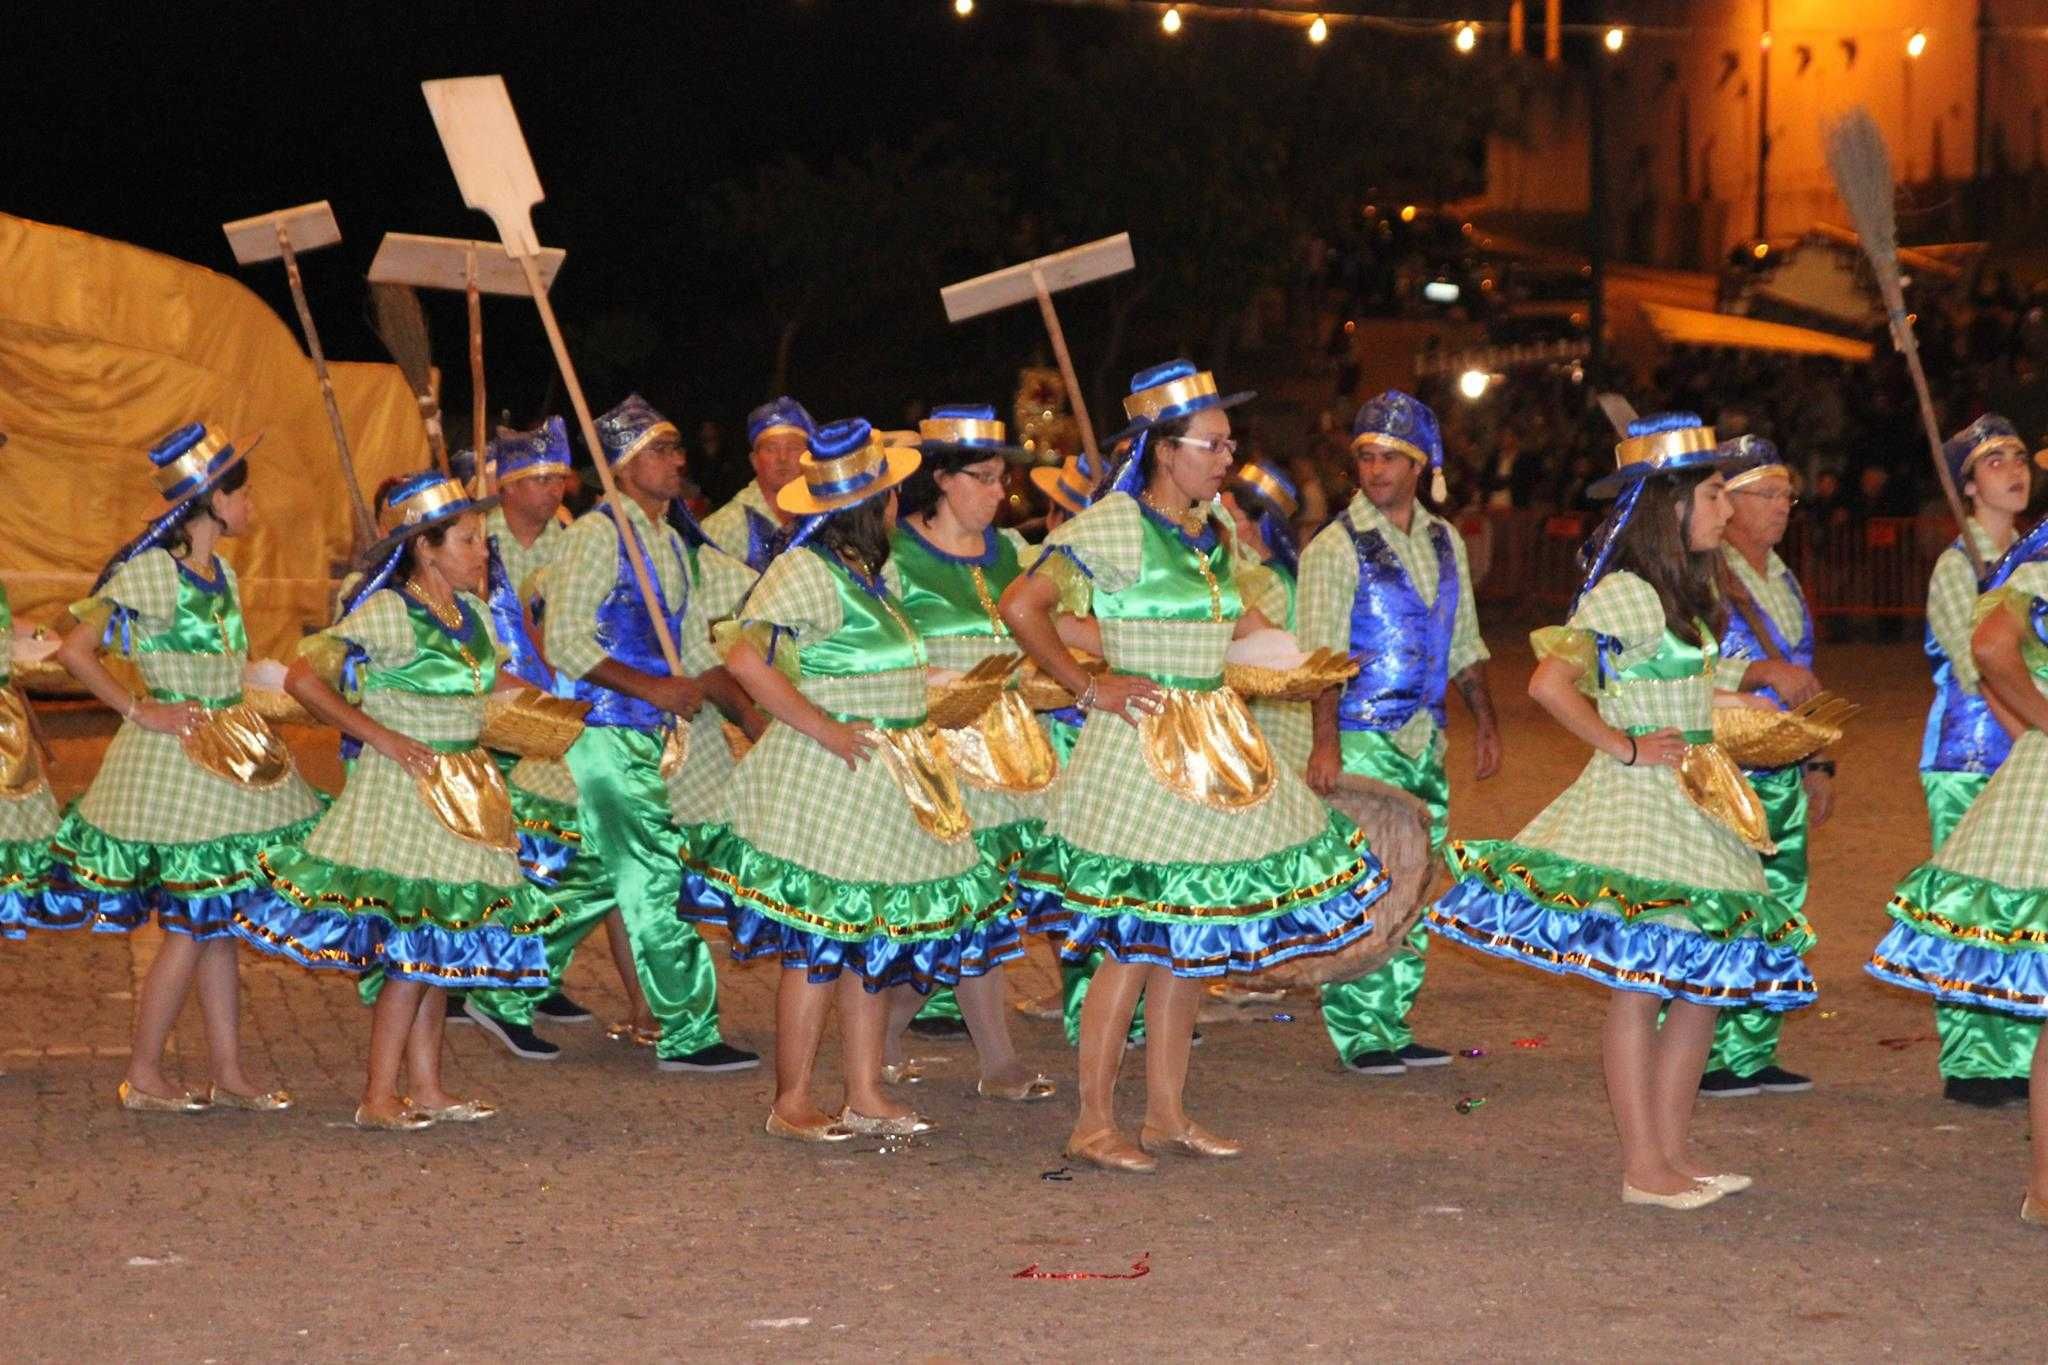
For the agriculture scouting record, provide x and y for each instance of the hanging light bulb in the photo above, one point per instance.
(1468, 37)
(963, 8)
(1319, 30)
(1170, 21)
(1916, 43)
(1614, 38)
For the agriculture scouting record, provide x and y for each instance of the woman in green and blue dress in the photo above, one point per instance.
(1970, 925)
(28, 812)
(848, 852)
(1632, 878)
(194, 784)
(947, 565)
(414, 871)
(1175, 841)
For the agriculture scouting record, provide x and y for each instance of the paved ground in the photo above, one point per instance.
(617, 1214)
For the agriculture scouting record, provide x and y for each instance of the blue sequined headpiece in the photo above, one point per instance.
(780, 414)
(627, 429)
(1402, 421)
(532, 454)
(1987, 434)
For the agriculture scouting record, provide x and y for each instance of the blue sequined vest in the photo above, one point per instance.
(523, 658)
(1403, 645)
(1738, 641)
(626, 633)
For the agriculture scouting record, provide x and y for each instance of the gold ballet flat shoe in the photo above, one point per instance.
(909, 1072)
(2032, 1212)
(828, 1131)
(1030, 1091)
(1698, 1197)
(1727, 1182)
(1196, 1141)
(142, 1102)
(462, 1111)
(910, 1125)
(406, 1120)
(625, 1031)
(1110, 1150)
(269, 1102)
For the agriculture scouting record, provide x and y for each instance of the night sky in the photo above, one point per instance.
(154, 123)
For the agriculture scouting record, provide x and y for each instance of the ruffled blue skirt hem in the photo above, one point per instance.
(1965, 974)
(1653, 959)
(880, 962)
(335, 940)
(544, 859)
(68, 906)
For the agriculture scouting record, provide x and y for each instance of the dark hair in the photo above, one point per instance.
(1655, 546)
(175, 538)
(860, 534)
(1156, 434)
(433, 535)
(919, 493)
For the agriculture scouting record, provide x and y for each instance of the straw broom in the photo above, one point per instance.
(402, 326)
(1863, 177)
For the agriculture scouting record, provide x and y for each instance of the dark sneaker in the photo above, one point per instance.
(1415, 1054)
(456, 1014)
(1377, 1064)
(562, 1010)
(940, 1030)
(1981, 1092)
(1779, 1081)
(1724, 1084)
(518, 1039)
(717, 1057)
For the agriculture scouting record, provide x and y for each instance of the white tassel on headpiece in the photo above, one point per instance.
(1439, 491)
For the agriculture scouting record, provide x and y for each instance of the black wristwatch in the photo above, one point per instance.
(1821, 765)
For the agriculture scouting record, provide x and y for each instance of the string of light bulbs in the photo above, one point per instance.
(1465, 35)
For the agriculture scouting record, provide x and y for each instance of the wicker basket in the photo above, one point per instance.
(1396, 827)
(960, 701)
(1307, 680)
(279, 708)
(48, 678)
(1041, 693)
(1757, 738)
(531, 723)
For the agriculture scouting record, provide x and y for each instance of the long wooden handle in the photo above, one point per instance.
(1909, 346)
(359, 508)
(487, 478)
(1066, 363)
(604, 470)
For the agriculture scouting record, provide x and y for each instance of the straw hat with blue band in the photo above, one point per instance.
(539, 453)
(1402, 422)
(784, 415)
(1270, 484)
(847, 464)
(969, 430)
(411, 508)
(186, 464)
(1164, 393)
(1662, 443)
(1068, 485)
(1272, 508)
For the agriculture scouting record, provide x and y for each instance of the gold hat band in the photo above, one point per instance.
(829, 478)
(776, 429)
(961, 430)
(1258, 478)
(1758, 475)
(1147, 404)
(1662, 447)
(539, 469)
(1990, 444)
(421, 506)
(645, 439)
(193, 464)
(1393, 443)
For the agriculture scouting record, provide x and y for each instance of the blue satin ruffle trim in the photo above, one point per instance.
(543, 859)
(205, 918)
(880, 962)
(1966, 974)
(1213, 950)
(324, 940)
(19, 912)
(1653, 959)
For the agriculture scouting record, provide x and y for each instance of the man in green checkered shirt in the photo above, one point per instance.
(601, 634)
(1388, 583)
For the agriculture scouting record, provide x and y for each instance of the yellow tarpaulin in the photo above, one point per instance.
(104, 347)
(1697, 327)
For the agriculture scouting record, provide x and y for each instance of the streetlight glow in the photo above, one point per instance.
(1468, 37)
(963, 8)
(1916, 43)
(1170, 21)
(1614, 38)
(1318, 30)
(1473, 384)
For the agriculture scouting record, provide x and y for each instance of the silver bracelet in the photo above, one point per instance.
(1086, 701)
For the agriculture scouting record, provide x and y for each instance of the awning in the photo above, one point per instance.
(1698, 327)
